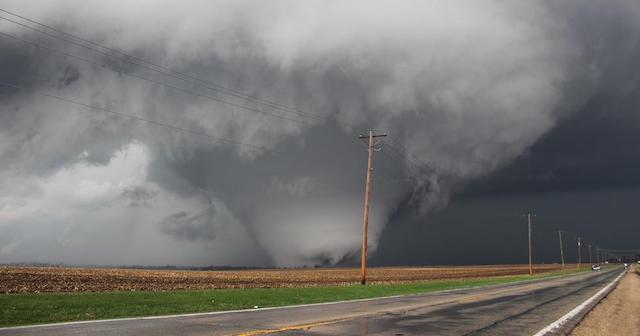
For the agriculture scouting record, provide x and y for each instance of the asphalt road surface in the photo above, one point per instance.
(515, 309)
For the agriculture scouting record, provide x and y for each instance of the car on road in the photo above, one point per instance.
(595, 267)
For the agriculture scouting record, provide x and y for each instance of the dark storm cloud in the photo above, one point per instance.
(492, 229)
(580, 177)
(593, 150)
(296, 191)
(425, 72)
(596, 147)
(42, 137)
(190, 226)
(137, 195)
(14, 62)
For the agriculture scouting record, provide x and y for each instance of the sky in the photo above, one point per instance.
(229, 135)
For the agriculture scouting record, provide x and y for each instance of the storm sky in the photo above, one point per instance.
(493, 109)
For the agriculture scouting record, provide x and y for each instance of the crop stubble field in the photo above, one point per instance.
(60, 279)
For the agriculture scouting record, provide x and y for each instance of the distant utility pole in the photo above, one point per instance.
(597, 255)
(579, 251)
(590, 262)
(561, 248)
(373, 140)
(529, 229)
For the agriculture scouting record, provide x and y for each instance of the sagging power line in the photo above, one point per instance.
(151, 66)
(132, 117)
(152, 81)
(414, 165)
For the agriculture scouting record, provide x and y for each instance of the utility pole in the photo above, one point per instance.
(597, 255)
(590, 262)
(561, 248)
(370, 148)
(529, 229)
(579, 251)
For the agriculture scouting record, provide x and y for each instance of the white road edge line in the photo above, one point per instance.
(559, 322)
(34, 326)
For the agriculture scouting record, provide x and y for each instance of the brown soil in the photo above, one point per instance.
(59, 279)
(618, 313)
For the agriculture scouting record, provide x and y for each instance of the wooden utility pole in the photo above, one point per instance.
(561, 247)
(371, 148)
(530, 259)
(597, 255)
(590, 262)
(579, 251)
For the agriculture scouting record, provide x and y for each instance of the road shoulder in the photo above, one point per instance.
(616, 314)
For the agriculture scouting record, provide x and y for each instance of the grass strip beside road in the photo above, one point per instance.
(38, 308)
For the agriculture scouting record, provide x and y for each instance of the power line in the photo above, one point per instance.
(217, 86)
(394, 153)
(134, 117)
(400, 154)
(410, 157)
(155, 67)
(395, 156)
(65, 54)
(415, 165)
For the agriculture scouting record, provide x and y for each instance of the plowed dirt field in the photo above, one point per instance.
(59, 279)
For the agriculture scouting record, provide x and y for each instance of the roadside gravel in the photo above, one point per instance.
(618, 313)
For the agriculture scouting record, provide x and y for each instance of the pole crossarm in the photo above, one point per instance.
(373, 136)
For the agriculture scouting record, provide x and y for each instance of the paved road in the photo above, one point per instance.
(516, 309)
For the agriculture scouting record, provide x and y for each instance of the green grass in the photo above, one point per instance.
(25, 309)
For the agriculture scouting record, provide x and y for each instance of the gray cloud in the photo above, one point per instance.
(137, 195)
(467, 86)
(190, 227)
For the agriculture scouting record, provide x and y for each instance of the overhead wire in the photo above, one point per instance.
(411, 157)
(218, 86)
(132, 117)
(387, 177)
(134, 60)
(397, 154)
(414, 165)
(133, 75)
